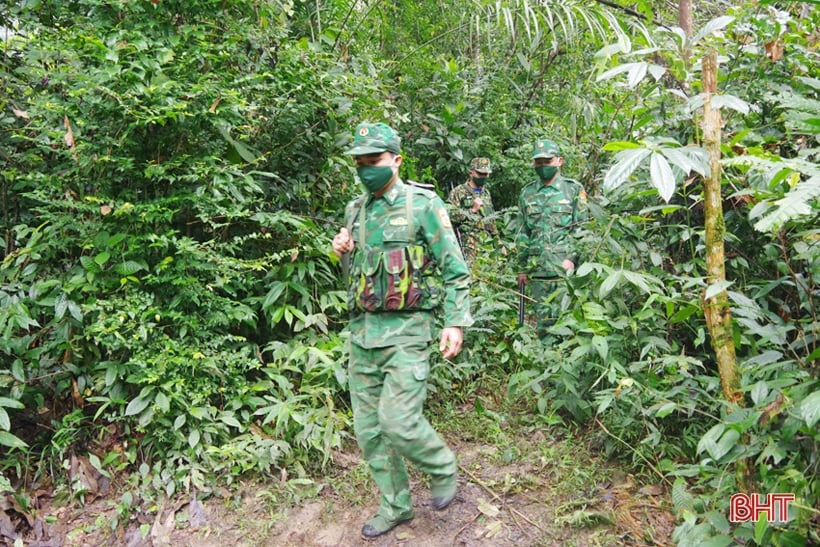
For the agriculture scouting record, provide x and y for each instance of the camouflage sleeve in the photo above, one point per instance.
(522, 238)
(440, 239)
(457, 215)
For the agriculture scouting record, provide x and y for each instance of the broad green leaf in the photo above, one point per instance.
(711, 27)
(793, 205)
(716, 288)
(610, 283)
(193, 438)
(809, 409)
(730, 101)
(665, 410)
(140, 403)
(102, 258)
(10, 403)
(626, 162)
(12, 441)
(5, 421)
(759, 392)
(709, 440)
(684, 162)
(601, 346)
(636, 74)
(617, 146)
(162, 402)
(661, 175)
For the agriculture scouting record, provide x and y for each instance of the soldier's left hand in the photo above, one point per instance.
(568, 265)
(451, 340)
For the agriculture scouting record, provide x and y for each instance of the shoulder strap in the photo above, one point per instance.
(356, 208)
(411, 232)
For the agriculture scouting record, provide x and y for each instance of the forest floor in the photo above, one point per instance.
(522, 486)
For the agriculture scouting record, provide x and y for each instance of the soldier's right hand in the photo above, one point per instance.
(342, 243)
(477, 203)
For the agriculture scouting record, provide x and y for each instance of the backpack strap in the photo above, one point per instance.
(356, 208)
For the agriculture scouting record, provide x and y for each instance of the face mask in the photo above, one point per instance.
(374, 177)
(480, 181)
(546, 172)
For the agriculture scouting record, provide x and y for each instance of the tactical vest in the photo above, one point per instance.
(399, 279)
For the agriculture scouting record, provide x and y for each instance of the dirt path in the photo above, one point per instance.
(550, 493)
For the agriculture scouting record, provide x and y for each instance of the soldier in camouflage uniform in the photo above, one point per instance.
(471, 209)
(549, 212)
(403, 264)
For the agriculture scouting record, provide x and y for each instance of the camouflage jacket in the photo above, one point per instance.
(385, 228)
(461, 201)
(549, 217)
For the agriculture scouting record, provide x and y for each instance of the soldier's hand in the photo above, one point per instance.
(568, 265)
(342, 243)
(522, 279)
(477, 203)
(451, 340)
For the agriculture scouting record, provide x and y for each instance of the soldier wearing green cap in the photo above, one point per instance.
(403, 266)
(550, 210)
(471, 209)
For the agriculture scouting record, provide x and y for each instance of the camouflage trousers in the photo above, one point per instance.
(387, 391)
(544, 291)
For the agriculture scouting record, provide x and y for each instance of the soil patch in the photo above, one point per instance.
(533, 500)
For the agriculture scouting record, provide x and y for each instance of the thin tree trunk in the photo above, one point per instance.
(685, 16)
(716, 307)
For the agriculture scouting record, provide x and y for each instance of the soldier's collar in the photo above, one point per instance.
(396, 190)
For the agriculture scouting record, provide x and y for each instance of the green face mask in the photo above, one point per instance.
(546, 172)
(374, 177)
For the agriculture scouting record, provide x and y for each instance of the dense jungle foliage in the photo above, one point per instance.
(172, 172)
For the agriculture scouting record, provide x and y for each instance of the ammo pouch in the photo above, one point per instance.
(394, 280)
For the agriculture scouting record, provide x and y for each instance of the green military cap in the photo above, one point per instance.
(373, 138)
(482, 165)
(545, 148)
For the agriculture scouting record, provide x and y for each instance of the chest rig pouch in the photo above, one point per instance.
(395, 277)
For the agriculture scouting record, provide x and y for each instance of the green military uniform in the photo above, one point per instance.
(548, 215)
(472, 227)
(405, 266)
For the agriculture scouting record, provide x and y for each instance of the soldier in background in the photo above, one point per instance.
(472, 210)
(404, 267)
(550, 210)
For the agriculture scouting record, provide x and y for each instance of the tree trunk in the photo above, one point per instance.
(716, 307)
(685, 16)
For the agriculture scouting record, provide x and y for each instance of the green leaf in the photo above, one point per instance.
(140, 403)
(5, 421)
(10, 403)
(809, 409)
(193, 438)
(730, 101)
(759, 392)
(617, 146)
(162, 402)
(102, 258)
(661, 175)
(610, 283)
(12, 441)
(709, 440)
(761, 527)
(665, 410)
(626, 162)
(716, 288)
(711, 27)
(601, 346)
